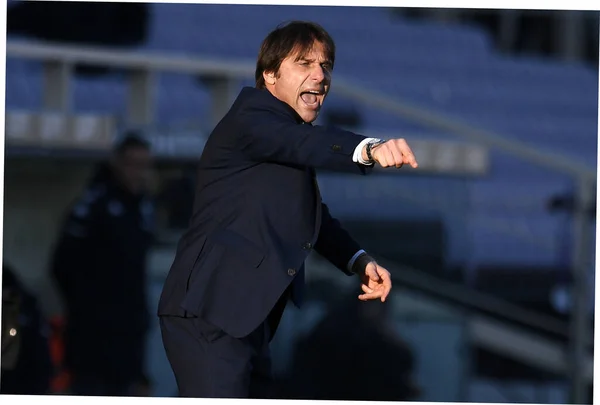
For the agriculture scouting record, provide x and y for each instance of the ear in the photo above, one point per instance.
(269, 77)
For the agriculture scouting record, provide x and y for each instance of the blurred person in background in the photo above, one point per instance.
(26, 362)
(99, 265)
(258, 214)
(334, 361)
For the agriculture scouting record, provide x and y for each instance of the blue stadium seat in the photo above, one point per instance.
(23, 84)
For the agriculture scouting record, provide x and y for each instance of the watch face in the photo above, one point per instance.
(374, 143)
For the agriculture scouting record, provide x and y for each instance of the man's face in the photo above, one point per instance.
(133, 167)
(302, 83)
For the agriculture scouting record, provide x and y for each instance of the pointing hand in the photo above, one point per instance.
(394, 152)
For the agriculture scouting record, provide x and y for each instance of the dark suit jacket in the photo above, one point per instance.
(257, 214)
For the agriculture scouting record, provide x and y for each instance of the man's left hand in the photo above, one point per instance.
(376, 283)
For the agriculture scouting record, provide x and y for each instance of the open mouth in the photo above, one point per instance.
(310, 97)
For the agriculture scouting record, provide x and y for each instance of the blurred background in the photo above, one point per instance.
(490, 243)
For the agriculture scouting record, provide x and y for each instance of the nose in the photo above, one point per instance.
(319, 74)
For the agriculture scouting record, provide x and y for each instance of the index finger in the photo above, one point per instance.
(371, 295)
(408, 154)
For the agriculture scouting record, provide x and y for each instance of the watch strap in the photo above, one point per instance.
(369, 148)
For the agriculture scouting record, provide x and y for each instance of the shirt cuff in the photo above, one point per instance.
(351, 262)
(357, 157)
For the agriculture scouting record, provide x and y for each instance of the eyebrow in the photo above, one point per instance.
(305, 59)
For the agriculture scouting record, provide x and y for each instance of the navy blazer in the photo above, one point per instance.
(257, 214)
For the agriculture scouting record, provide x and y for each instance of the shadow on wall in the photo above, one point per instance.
(341, 359)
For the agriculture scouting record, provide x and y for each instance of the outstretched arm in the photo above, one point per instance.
(267, 134)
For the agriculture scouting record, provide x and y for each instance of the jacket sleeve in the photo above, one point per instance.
(334, 243)
(73, 252)
(269, 135)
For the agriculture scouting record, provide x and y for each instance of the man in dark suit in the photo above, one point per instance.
(257, 215)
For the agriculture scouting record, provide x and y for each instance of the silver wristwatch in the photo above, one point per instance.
(370, 146)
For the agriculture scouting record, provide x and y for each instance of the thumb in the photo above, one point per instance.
(371, 271)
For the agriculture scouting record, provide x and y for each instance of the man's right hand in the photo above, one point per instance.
(394, 152)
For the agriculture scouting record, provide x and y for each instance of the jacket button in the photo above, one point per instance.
(291, 272)
(307, 246)
(336, 148)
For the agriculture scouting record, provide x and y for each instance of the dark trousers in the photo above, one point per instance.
(208, 363)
